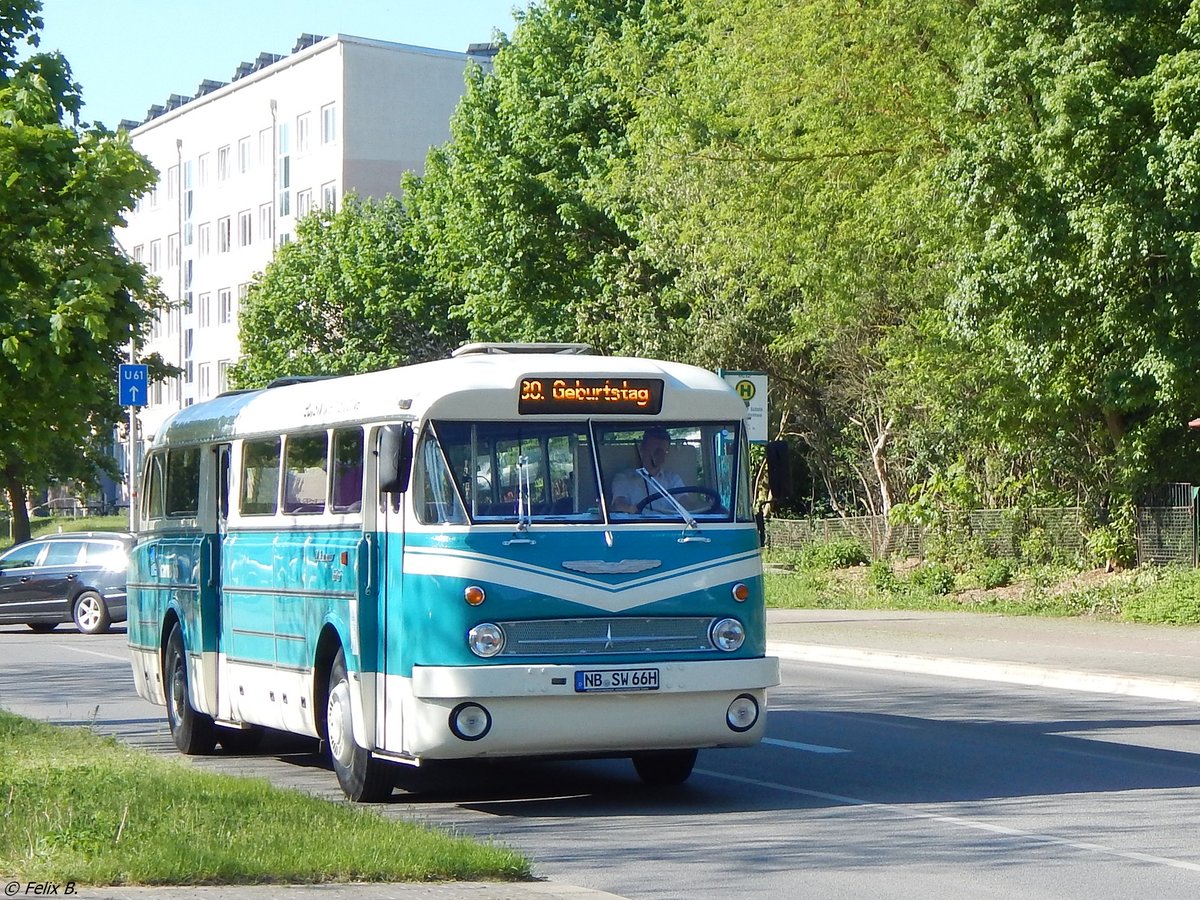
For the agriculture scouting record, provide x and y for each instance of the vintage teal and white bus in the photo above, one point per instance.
(425, 563)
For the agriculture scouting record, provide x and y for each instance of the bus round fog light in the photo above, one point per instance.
(470, 721)
(742, 713)
(727, 634)
(486, 639)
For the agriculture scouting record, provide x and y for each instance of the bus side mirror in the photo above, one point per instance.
(395, 458)
(779, 470)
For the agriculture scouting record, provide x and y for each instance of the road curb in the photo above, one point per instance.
(989, 670)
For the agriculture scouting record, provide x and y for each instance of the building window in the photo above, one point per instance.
(204, 239)
(243, 290)
(264, 147)
(204, 370)
(245, 229)
(172, 250)
(244, 155)
(223, 375)
(153, 195)
(284, 170)
(202, 169)
(204, 313)
(155, 255)
(224, 235)
(172, 182)
(303, 203)
(303, 132)
(329, 197)
(223, 163)
(328, 123)
(224, 306)
(138, 252)
(266, 222)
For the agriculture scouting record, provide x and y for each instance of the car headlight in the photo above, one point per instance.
(486, 639)
(727, 634)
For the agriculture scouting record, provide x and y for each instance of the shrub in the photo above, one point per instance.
(837, 554)
(881, 577)
(995, 573)
(934, 578)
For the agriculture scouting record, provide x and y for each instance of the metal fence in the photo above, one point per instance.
(1166, 525)
(1061, 532)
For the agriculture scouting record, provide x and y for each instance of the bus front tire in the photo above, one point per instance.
(363, 778)
(664, 767)
(193, 732)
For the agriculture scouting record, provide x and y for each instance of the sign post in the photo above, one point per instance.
(752, 388)
(133, 381)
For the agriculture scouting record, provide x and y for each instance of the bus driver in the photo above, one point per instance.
(632, 487)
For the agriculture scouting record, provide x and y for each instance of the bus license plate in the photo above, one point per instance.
(616, 680)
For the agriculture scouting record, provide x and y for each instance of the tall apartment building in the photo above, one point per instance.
(240, 162)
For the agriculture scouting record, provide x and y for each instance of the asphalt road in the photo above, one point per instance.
(870, 783)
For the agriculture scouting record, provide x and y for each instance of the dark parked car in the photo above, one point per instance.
(75, 577)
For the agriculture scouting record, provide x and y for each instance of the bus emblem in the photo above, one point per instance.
(602, 567)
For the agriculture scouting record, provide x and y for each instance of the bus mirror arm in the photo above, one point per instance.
(395, 457)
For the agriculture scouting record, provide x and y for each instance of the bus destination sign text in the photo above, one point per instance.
(593, 396)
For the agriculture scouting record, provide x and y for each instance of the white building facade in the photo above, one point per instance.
(241, 162)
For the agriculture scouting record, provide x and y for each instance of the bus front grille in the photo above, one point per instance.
(594, 637)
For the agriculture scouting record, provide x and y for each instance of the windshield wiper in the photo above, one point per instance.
(524, 502)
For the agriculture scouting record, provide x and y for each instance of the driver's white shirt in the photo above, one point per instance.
(634, 488)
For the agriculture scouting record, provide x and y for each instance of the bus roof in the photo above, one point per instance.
(471, 387)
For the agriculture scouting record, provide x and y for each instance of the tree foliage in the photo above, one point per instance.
(348, 295)
(70, 300)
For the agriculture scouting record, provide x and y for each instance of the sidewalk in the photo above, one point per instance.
(1153, 661)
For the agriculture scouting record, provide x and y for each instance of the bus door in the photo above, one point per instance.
(388, 575)
(217, 503)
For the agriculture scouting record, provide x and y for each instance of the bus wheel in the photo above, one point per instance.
(665, 767)
(363, 778)
(193, 732)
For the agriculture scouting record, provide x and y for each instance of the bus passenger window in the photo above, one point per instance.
(305, 476)
(155, 484)
(183, 482)
(260, 477)
(347, 470)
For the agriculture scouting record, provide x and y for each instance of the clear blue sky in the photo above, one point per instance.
(129, 54)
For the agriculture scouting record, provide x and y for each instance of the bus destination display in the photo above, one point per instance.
(617, 396)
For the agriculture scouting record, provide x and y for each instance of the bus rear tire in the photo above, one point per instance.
(193, 732)
(363, 778)
(665, 767)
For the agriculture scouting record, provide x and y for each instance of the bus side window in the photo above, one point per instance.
(152, 490)
(436, 498)
(305, 478)
(183, 482)
(347, 470)
(260, 478)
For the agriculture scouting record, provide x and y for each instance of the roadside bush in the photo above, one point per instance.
(1164, 596)
(995, 573)
(935, 578)
(881, 577)
(839, 554)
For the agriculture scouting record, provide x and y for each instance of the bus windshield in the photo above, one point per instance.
(522, 472)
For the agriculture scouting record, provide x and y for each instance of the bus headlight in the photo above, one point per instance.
(470, 721)
(486, 639)
(742, 713)
(727, 634)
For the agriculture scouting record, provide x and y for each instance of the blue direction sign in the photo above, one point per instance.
(132, 384)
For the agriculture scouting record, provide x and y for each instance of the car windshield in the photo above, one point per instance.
(522, 472)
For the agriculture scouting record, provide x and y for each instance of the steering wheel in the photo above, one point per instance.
(685, 489)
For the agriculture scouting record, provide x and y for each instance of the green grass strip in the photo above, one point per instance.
(76, 806)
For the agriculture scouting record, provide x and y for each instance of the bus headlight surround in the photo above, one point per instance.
(486, 639)
(470, 721)
(742, 714)
(727, 634)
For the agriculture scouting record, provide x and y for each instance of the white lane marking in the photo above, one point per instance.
(807, 748)
(907, 813)
(123, 659)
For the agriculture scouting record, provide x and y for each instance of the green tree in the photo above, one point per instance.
(518, 215)
(787, 171)
(1079, 182)
(348, 295)
(70, 300)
